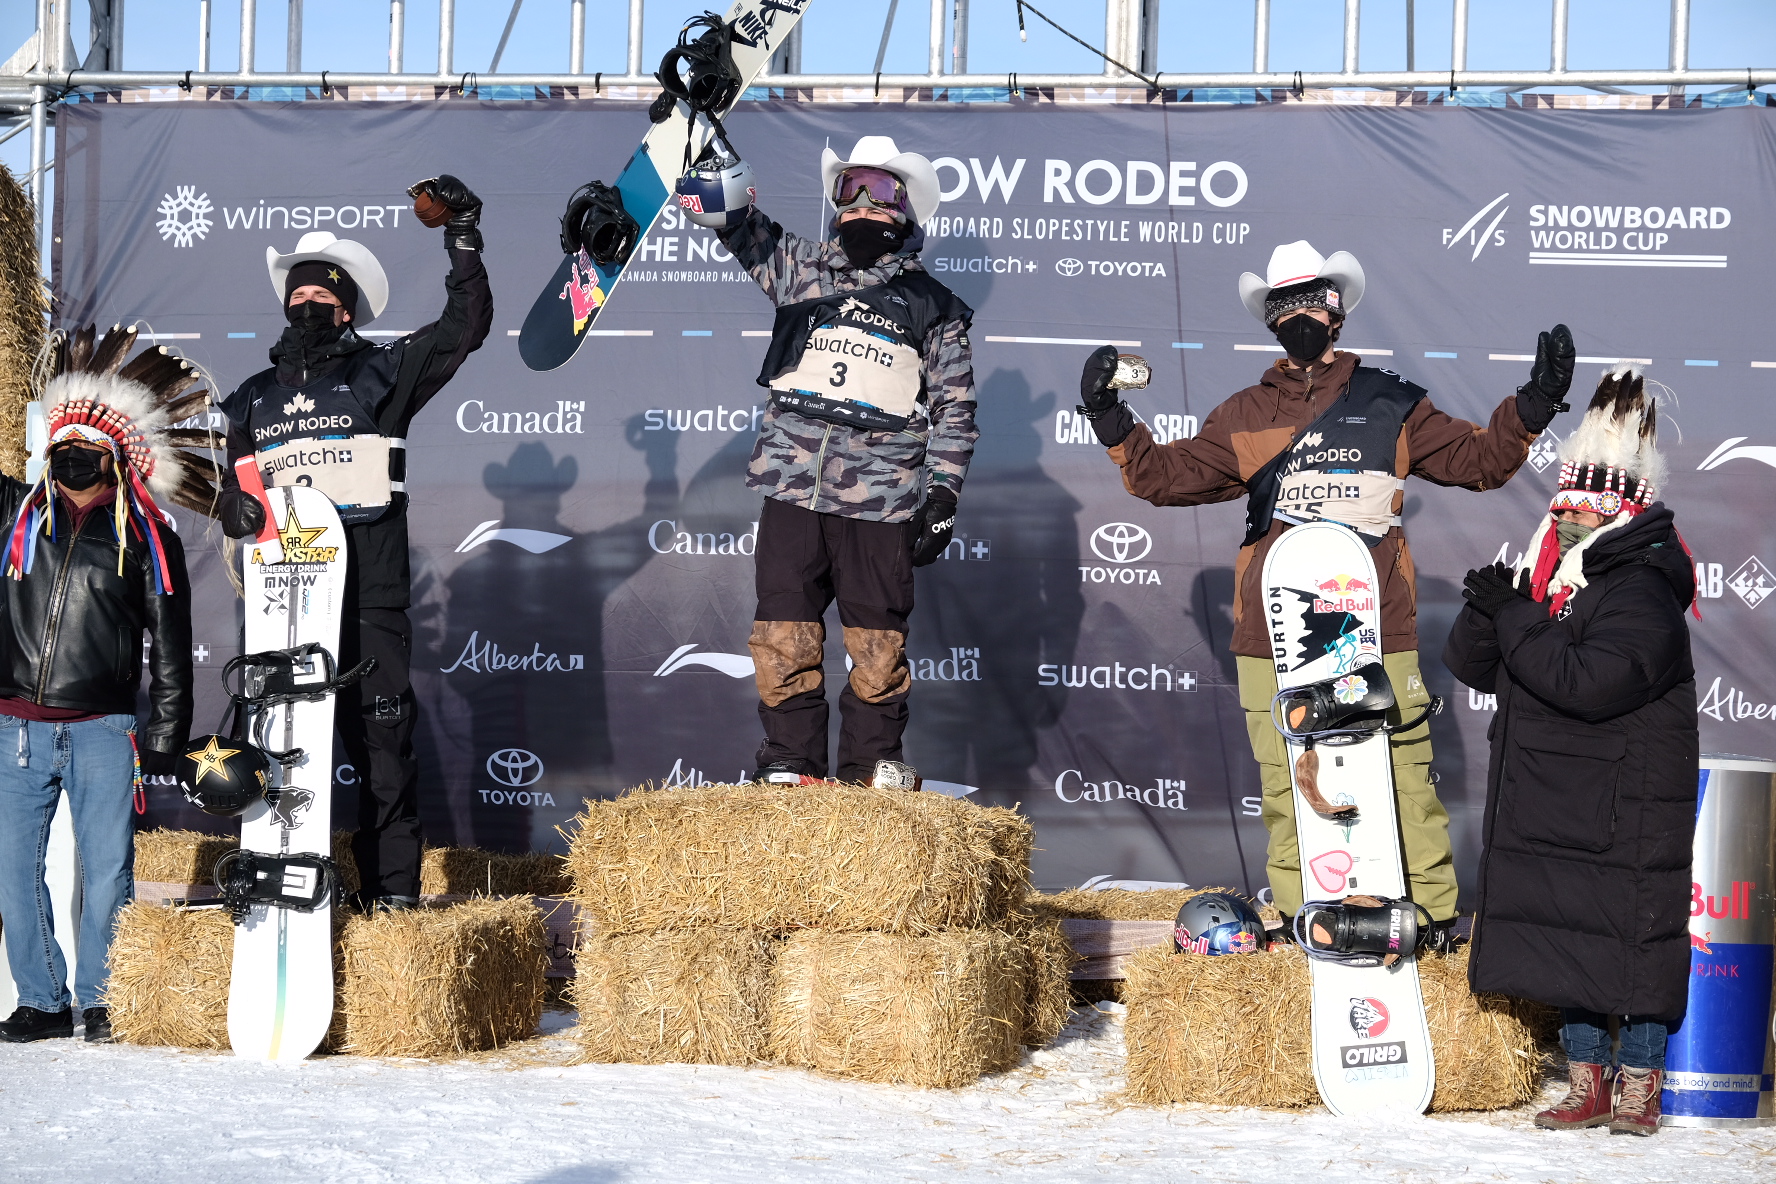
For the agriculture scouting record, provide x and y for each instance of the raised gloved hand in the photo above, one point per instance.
(242, 515)
(1544, 395)
(1110, 417)
(1489, 589)
(156, 763)
(933, 525)
(445, 201)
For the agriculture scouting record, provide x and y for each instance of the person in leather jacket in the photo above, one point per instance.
(72, 619)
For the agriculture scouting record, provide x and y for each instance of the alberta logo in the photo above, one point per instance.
(184, 215)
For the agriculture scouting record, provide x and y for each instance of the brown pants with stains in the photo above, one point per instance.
(805, 561)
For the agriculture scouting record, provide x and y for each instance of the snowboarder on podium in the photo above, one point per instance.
(861, 453)
(1318, 418)
(1585, 874)
(328, 381)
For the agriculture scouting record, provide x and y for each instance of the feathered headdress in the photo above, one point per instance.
(89, 392)
(1609, 466)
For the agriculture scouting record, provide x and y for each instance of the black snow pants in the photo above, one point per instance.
(375, 724)
(806, 560)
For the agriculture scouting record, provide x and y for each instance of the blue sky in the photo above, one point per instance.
(841, 35)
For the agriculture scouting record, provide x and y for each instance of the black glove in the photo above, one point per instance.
(1489, 589)
(1539, 399)
(156, 763)
(933, 525)
(241, 514)
(1110, 417)
(445, 201)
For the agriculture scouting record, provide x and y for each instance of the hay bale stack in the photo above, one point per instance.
(169, 976)
(187, 857)
(690, 996)
(424, 982)
(1048, 1002)
(1232, 1030)
(931, 1010)
(469, 871)
(441, 982)
(846, 858)
(23, 305)
(1119, 904)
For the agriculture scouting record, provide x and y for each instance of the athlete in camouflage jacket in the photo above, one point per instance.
(860, 456)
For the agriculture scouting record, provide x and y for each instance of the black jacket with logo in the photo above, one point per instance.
(71, 630)
(1591, 795)
(389, 385)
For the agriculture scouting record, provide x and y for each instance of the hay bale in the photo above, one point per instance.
(1488, 1048)
(469, 871)
(1014, 840)
(773, 857)
(440, 982)
(169, 976)
(693, 996)
(1119, 904)
(1048, 1000)
(932, 1010)
(23, 304)
(167, 856)
(180, 856)
(1231, 1030)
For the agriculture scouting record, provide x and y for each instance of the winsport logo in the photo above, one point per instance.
(184, 215)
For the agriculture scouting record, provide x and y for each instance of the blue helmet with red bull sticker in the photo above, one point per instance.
(1218, 923)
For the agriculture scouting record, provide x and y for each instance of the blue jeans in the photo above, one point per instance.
(93, 761)
(1585, 1037)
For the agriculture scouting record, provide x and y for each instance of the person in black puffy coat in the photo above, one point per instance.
(1591, 792)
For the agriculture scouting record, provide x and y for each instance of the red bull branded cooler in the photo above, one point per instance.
(1719, 1063)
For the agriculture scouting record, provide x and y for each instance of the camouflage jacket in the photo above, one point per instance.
(836, 468)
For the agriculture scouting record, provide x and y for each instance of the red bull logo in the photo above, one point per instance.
(1736, 905)
(1699, 942)
(1343, 593)
(582, 292)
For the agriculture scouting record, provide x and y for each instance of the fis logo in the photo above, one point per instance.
(1368, 1018)
(1479, 240)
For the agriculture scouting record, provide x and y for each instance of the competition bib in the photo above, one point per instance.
(1363, 501)
(354, 471)
(852, 365)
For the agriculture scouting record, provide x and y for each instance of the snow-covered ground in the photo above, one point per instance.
(72, 1112)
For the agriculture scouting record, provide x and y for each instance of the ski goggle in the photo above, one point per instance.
(879, 187)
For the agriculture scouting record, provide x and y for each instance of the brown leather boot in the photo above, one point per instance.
(1587, 1101)
(1637, 1106)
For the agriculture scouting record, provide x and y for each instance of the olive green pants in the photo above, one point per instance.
(1424, 823)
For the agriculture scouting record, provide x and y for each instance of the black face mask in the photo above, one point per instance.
(865, 240)
(79, 468)
(311, 316)
(1304, 337)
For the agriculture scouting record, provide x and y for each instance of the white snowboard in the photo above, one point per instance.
(1371, 1044)
(280, 998)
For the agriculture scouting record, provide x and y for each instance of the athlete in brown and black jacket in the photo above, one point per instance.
(1351, 468)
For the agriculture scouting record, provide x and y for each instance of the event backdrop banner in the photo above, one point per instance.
(582, 539)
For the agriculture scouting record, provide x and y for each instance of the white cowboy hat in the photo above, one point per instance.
(1298, 262)
(366, 272)
(879, 152)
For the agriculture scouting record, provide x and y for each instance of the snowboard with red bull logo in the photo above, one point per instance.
(1371, 1043)
(581, 288)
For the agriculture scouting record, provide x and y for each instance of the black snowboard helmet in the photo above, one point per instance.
(1218, 923)
(221, 776)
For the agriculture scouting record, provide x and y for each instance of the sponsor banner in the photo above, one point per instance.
(583, 540)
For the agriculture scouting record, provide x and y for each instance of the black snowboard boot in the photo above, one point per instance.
(28, 1023)
(784, 773)
(98, 1025)
(393, 904)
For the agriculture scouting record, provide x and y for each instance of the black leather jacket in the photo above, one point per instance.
(71, 630)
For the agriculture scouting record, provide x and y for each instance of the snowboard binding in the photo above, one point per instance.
(1345, 709)
(1362, 930)
(268, 679)
(597, 223)
(710, 82)
(303, 882)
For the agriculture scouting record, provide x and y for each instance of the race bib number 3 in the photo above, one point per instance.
(859, 367)
(351, 470)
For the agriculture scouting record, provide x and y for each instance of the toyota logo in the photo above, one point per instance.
(515, 767)
(1069, 266)
(1121, 542)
